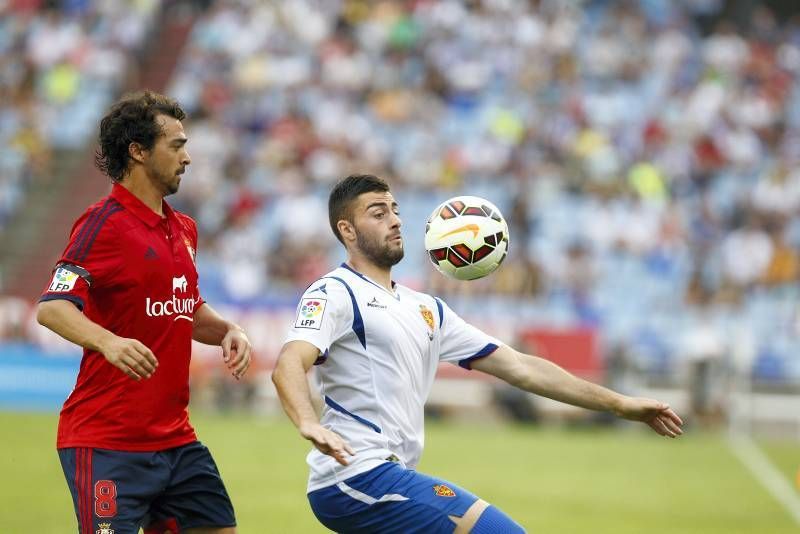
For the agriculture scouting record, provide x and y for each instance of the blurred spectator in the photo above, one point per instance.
(746, 254)
(784, 264)
(14, 315)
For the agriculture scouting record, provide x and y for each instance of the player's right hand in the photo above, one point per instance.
(130, 356)
(327, 441)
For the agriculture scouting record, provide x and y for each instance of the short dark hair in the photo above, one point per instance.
(131, 120)
(345, 192)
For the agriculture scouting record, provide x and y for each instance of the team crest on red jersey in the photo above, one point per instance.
(443, 491)
(189, 248)
(105, 528)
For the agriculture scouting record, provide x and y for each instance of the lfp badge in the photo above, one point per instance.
(310, 313)
(63, 280)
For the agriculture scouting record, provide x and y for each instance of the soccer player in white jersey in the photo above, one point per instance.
(377, 346)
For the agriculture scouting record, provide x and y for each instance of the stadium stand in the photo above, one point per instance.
(647, 165)
(61, 67)
(645, 154)
(67, 62)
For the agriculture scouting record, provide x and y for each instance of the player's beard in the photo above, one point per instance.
(167, 182)
(171, 183)
(379, 253)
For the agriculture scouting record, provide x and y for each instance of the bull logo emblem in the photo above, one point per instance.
(179, 284)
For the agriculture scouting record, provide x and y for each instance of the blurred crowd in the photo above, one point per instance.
(61, 64)
(645, 154)
(647, 164)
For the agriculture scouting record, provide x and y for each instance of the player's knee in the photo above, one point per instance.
(495, 521)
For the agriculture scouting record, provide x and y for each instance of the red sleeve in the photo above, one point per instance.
(91, 257)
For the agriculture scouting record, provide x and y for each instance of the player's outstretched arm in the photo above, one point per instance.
(128, 355)
(547, 379)
(210, 328)
(289, 377)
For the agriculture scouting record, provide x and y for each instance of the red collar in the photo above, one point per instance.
(132, 203)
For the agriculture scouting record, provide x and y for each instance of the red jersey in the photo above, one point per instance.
(132, 272)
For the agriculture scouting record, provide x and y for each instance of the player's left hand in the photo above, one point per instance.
(236, 352)
(658, 415)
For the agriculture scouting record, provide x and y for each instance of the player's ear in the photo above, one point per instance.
(346, 230)
(136, 152)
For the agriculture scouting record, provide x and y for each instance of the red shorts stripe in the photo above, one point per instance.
(83, 484)
(85, 481)
(89, 492)
(79, 488)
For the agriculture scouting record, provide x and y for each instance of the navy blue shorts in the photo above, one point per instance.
(122, 491)
(390, 498)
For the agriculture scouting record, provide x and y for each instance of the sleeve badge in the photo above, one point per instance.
(310, 313)
(63, 280)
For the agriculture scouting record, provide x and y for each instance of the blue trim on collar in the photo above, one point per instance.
(441, 311)
(395, 295)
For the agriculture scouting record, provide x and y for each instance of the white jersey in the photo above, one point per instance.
(379, 352)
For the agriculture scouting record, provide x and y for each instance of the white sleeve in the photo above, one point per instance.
(461, 343)
(324, 315)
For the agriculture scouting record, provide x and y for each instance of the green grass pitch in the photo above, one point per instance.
(550, 480)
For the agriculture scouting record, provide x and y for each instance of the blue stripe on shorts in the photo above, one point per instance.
(390, 498)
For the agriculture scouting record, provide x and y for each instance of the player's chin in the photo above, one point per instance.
(396, 250)
(395, 255)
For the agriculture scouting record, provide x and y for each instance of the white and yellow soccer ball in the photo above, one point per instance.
(466, 237)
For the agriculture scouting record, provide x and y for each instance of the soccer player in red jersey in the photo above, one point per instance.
(125, 289)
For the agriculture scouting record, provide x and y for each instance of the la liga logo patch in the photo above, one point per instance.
(63, 280)
(310, 313)
(312, 308)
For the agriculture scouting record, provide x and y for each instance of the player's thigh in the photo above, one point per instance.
(390, 499)
(195, 498)
(110, 490)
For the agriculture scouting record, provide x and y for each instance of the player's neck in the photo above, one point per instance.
(143, 189)
(379, 275)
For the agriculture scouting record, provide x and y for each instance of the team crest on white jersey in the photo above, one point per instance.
(310, 313)
(428, 316)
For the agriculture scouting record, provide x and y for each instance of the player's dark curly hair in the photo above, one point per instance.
(131, 120)
(345, 192)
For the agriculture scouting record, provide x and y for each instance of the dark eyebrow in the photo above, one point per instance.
(380, 205)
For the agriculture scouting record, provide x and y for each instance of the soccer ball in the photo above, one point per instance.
(466, 238)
